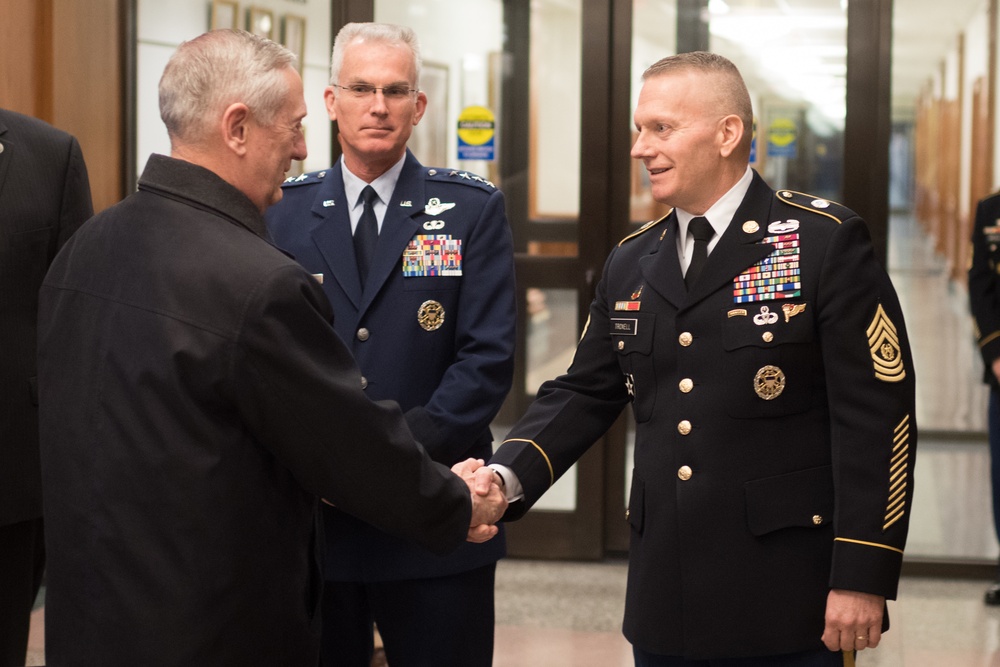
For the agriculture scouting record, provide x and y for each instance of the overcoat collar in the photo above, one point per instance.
(7, 148)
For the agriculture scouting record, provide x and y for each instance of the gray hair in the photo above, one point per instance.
(219, 68)
(374, 32)
(732, 91)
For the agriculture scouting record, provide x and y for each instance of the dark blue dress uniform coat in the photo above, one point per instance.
(195, 404)
(774, 429)
(440, 345)
(984, 283)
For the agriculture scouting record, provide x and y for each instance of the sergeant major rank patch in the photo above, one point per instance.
(883, 342)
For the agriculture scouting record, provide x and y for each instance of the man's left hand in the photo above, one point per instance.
(853, 620)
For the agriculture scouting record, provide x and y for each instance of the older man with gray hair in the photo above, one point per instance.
(196, 402)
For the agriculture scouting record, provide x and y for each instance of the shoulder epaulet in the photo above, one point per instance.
(645, 228)
(459, 176)
(304, 179)
(825, 207)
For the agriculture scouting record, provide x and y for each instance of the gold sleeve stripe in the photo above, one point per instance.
(552, 474)
(989, 339)
(868, 544)
(898, 474)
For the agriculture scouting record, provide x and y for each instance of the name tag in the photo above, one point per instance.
(623, 327)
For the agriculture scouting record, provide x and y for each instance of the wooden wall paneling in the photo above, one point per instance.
(25, 69)
(87, 88)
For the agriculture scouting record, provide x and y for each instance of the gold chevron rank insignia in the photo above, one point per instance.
(883, 342)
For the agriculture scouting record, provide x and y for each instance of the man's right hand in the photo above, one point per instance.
(488, 501)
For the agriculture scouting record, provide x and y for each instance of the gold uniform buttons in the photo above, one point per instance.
(817, 520)
(621, 345)
(685, 473)
(684, 427)
(768, 336)
(364, 382)
(363, 334)
(685, 339)
(686, 385)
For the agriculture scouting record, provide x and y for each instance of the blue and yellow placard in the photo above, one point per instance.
(476, 134)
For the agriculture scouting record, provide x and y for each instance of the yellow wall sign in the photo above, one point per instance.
(781, 136)
(476, 134)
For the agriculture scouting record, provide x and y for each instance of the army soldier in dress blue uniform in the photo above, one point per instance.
(429, 313)
(773, 393)
(984, 298)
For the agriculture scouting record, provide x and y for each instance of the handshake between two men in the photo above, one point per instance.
(489, 501)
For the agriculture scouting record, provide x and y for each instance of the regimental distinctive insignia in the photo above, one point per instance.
(434, 225)
(883, 342)
(783, 227)
(898, 473)
(630, 386)
(636, 294)
(769, 382)
(777, 276)
(430, 315)
(432, 255)
(792, 309)
(435, 207)
(765, 316)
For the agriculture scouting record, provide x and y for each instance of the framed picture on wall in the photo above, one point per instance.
(293, 37)
(261, 22)
(429, 141)
(225, 14)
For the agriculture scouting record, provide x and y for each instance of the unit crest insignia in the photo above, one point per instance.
(769, 382)
(430, 315)
(883, 342)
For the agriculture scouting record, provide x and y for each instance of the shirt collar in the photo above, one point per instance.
(721, 213)
(384, 184)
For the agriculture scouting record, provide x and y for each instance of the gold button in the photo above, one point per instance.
(621, 345)
(685, 339)
(686, 385)
(684, 427)
(364, 382)
(817, 520)
(751, 227)
(626, 515)
(363, 334)
(768, 336)
(685, 473)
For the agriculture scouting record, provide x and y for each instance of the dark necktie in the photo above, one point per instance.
(366, 234)
(701, 230)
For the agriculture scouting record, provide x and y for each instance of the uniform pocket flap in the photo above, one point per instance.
(798, 499)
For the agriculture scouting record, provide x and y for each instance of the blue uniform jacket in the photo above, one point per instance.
(433, 330)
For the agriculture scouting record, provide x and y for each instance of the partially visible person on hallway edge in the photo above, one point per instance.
(984, 298)
(44, 198)
(428, 310)
(763, 350)
(195, 401)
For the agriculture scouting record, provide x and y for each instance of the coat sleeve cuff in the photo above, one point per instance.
(867, 567)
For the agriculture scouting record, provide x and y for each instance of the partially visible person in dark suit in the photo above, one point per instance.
(984, 299)
(429, 315)
(44, 198)
(196, 402)
(762, 348)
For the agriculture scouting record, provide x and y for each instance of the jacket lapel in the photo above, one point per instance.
(331, 233)
(398, 227)
(740, 247)
(6, 154)
(661, 269)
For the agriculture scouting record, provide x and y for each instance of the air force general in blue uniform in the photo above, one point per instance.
(432, 328)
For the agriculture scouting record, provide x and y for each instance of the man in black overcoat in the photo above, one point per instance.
(196, 402)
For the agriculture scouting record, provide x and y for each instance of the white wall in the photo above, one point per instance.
(162, 26)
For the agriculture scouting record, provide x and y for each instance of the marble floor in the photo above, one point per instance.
(568, 614)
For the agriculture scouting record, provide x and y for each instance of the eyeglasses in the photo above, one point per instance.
(394, 92)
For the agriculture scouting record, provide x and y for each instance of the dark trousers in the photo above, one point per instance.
(22, 562)
(818, 658)
(437, 622)
(993, 425)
